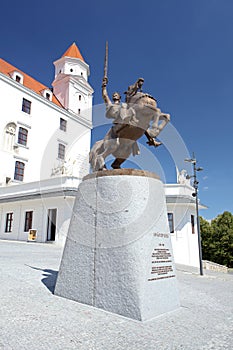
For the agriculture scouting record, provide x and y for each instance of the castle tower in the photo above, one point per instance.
(71, 85)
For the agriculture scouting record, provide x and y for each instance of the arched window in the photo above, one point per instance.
(9, 136)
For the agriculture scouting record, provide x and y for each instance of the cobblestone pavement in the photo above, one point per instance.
(32, 318)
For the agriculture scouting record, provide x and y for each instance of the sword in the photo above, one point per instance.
(106, 62)
(105, 78)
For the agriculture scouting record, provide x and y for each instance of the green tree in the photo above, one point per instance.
(206, 239)
(222, 228)
(217, 239)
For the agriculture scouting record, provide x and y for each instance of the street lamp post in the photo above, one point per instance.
(195, 194)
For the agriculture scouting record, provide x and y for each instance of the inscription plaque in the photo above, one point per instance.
(161, 261)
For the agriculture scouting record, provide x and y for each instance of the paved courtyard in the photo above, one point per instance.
(31, 317)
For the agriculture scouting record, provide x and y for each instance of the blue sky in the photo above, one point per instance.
(182, 48)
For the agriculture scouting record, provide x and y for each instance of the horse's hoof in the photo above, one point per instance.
(115, 166)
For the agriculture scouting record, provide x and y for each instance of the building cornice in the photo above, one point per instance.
(183, 200)
(68, 185)
(74, 79)
(66, 192)
(74, 60)
(53, 187)
(179, 186)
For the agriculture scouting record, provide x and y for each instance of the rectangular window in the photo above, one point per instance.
(171, 222)
(26, 106)
(9, 222)
(28, 221)
(61, 151)
(63, 124)
(19, 171)
(23, 136)
(193, 223)
(51, 225)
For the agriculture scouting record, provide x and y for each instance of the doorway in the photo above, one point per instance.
(52, 223)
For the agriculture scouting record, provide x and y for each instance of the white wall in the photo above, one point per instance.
(184, 242)
(64, 206)
(43, 125)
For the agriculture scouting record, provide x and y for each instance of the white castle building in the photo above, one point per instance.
(46, 136)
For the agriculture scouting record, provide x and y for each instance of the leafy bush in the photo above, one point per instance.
(217, 239)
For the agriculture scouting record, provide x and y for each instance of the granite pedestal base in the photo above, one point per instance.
(118, 253)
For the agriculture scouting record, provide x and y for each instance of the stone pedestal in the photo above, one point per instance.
(118, 254)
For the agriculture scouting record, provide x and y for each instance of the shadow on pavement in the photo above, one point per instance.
(49, 277)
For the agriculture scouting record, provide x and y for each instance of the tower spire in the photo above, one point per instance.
(70, 85)
(73, 51)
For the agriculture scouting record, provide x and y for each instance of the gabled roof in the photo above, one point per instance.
(73, 51)
(29, 82)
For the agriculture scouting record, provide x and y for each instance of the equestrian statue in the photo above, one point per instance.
(138, 115)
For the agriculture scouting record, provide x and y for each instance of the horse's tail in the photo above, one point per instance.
(96, 149)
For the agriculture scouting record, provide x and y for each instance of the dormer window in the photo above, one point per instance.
(17, 76)
(47, 94)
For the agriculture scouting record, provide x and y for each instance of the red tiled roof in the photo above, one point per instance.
(29, 82)
(73, 51)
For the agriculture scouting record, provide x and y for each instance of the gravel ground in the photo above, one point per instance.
(31, 317)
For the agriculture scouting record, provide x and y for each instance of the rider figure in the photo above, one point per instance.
(133, 89)
(121, 114)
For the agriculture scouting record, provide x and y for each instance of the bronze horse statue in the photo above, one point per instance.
(137, 116)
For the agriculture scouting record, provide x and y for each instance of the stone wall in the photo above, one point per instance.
(209, 265)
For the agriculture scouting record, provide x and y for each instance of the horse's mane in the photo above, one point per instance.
(139, 95)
